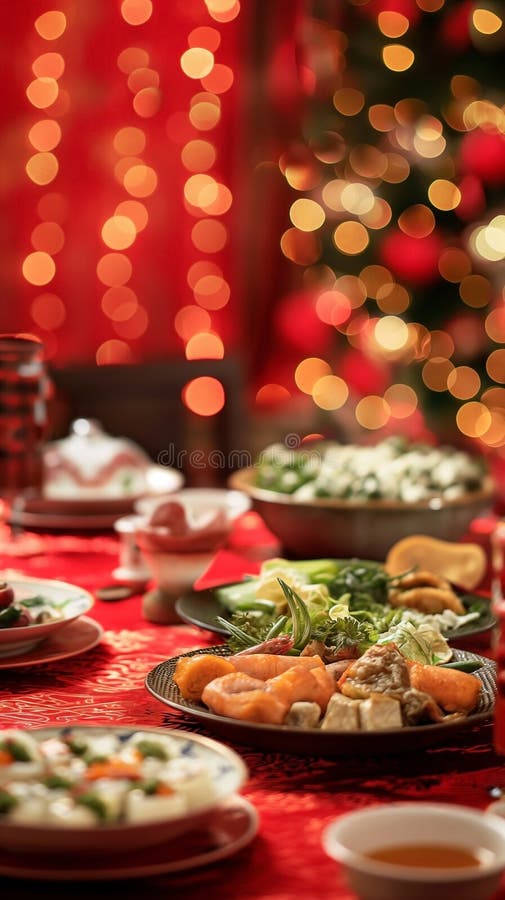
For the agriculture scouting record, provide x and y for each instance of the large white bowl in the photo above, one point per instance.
(73, 601)
(228, 773)
(358, 528)
(352, 836)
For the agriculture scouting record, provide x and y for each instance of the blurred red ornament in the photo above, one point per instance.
(482, 153)
(454, 32)
(468, 334)
(473, 199)
(298, 325)
(362, 374)
(412, 259)
(407, 8)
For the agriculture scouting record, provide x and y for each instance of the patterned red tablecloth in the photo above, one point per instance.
(296, 797)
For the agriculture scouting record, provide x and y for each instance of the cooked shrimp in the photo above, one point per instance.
(265, 665)
(297, 683)
(192, 673)
(239, 696)
(276, 645)
(453, 690)
(428, 600)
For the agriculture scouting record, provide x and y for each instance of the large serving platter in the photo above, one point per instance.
(313, 741)
(202, 608)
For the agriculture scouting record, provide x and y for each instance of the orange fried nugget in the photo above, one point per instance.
(192, 673)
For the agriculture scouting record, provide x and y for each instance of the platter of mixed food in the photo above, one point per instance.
(32, 609)
(320, 653)
(379, 703)
(85, 789)
(340, 594)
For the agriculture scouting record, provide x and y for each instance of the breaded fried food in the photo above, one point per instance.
(192, 673)
(428, 600)
(381, 669)
(453, 690)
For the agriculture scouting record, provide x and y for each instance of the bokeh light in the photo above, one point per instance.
(204, 396)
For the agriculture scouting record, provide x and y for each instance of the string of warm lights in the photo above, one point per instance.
(50, 103)
(390, 254)
(120, 303)
(207, 199)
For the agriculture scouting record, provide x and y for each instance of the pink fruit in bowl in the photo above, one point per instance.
(25, 618)
(6, 595)
(169, 530)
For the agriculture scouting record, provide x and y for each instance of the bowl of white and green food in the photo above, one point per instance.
(345, 500)
(31, 609)
(95, 790)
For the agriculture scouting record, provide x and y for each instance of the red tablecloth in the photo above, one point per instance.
(296, 797)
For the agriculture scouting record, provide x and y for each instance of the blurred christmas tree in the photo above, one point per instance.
(399, 220)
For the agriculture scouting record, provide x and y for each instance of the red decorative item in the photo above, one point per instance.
(473, 200)
(412, 259)
(23, 413)
(298, 325)
(483, 154)
(362, 374)
(407, 8)
(454, 33)
(468, 334)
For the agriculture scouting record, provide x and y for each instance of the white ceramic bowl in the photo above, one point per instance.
(228, 774)
(198, 501)
(351, 837)
(177, 563)
(70, 600)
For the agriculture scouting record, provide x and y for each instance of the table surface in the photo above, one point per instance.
(296, 797)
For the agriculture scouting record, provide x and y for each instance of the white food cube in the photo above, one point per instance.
(342, 714)
(64, 812)
(141, 807)
(380, 712)
(189, 778)
(303, 714)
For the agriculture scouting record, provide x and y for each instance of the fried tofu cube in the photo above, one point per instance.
(380, 712)
(303, 714)
(342, 714)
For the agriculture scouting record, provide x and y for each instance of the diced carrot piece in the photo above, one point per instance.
(112, 768)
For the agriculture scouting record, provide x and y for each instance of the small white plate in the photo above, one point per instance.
(233, 827)
(77, 637)
(71, 600)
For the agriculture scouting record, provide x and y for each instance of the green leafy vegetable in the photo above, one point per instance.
(302, 627)
(346, 632)
(7, 802)
(9, 616)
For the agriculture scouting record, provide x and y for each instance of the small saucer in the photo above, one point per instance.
(76, 637)
(233, 827)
